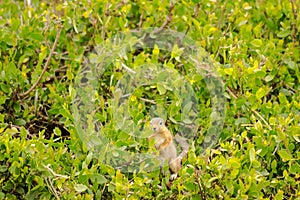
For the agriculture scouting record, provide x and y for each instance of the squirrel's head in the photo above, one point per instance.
(157, 124)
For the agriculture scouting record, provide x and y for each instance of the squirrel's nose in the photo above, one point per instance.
(154, 129)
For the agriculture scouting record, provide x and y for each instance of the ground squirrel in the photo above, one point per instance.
(163, 141)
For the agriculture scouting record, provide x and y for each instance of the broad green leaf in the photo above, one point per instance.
(57, 131)
(274, 165)
(252, 154)
(269, 78)
(17, 107)
(23, 132)
(98, 178)
(291, 64)
(241, 120)
(80, 188)
(5, 88)
(260, 93)
(20, 122)
(284, 33)
(161, 89)
(3, 168)
(155, 50)
(176, 52)
(36, 36)
(187, 107)
(285, 155)
(240, 101)
(279, 195)
(256, 43)
(295, 168)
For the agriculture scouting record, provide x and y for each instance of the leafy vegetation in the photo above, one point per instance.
(44, 46)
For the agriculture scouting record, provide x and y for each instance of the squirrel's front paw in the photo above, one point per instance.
(157, 147)
(173, 177)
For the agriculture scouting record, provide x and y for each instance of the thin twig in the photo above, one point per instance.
(222, 14)
(102, 192)
(55, 174)
(253, 111)
(126, 95)
(19, 129)
(222, 47)
(231, 93)
(190, 126)
(50, 186)
(294, 26)
(261, 118)
(47, 63)
(201, 189)
(148, 100)
(292, 89)
(276, 148)
(246, 125)
(127, 68)
(141, 20)
(167, 21)
(122, 3)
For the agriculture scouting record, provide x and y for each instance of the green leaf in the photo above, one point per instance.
(285, 155)
(274, 165)
(57, 131)
(23, 132)
(260, 93)
(279, 195)
(284, 33)
(2, 99)
(269, 78)
(252, 154)
(282, 99)
(20, 122)
(37, 36)
(176, 52)
(241, 120)
(161, 89)
(1, 119)
(187, 121)
(295, 168)
(291, 64)
(155, 50)
(3, 168)
(240, 101)
(187, 107)
(5, 88)
(17, 107)
(80, 187)
(98, 178)
(23, 59)
(256, 43)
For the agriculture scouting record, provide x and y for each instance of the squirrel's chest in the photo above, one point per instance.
(159, 139)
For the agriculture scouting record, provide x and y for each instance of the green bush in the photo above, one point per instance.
(254, 46)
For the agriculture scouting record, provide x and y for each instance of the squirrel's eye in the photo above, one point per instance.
(160, 123)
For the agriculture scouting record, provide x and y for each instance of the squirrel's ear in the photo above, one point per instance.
(161, 122)
(151, 122)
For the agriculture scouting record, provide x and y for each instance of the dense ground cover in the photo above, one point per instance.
(254, 47)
